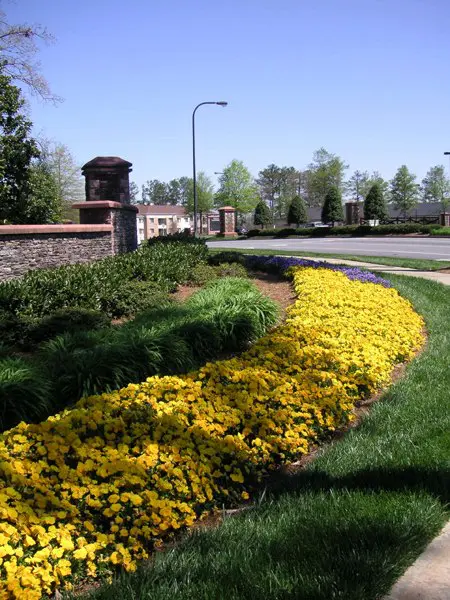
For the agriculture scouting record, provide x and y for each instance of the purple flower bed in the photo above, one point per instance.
(280, 264)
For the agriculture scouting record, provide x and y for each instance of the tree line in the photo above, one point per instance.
(275, 187)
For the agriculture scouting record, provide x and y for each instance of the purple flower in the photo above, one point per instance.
(280, 264)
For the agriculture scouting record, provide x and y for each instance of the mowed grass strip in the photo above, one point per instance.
(420, 264)
(350, 523)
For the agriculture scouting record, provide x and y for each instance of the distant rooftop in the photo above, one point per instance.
(162, 209)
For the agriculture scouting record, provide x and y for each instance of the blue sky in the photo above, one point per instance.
(368, 80)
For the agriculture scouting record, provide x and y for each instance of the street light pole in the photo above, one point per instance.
(221, 103)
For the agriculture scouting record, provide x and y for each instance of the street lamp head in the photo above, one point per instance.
(446, 152)
(221, 103)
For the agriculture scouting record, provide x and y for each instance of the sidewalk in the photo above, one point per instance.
(428, 578)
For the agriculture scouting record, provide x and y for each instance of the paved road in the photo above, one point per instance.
(410, 247)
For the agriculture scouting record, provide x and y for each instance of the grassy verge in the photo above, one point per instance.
(408, 263)
(350, 523)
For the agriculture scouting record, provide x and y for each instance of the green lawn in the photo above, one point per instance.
(349, 524)
(408, 263)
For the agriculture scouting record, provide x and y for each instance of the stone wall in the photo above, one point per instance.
(125, 230)
(26, 247)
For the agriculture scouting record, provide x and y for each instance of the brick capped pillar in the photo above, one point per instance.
(444, 219)
(108, 200)
(352, 213)
(227, 220)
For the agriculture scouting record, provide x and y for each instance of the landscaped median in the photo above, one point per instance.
(96, 487)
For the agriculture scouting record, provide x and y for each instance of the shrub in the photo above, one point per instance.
(374, 204)
(42, 292)
(15, 331)
(24, 393)
(262, 215)
(281, 233)
(224, 316)
(440, 231)
(68, 320)
(232, 269)
(202, 274)
(132, 297)
(297, 211)
(226, 257)
(183, 236)
(332, 210)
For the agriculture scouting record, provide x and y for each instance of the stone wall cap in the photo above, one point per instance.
(106, 162)
(56, 228)
(93, 204)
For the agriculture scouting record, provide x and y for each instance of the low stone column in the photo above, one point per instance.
(227, 220)
(122, 217)
(444, 219)
(352, 213)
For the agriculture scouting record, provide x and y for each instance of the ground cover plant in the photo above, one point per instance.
(353, 230)
(226, 316)
(349, 523)
(102, 483)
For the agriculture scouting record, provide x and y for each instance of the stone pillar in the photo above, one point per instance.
(227, 220)
(108, 200)
(444, 219)
(352, 213)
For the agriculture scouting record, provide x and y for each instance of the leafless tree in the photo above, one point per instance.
(19, 46)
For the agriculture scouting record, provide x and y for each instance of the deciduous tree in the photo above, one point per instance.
(237, 188)
(436, 186)
(358, 186)
(134, 191)
(325, 171)
(62, 166)
(155, 192)
(404, 190)
(205, 196)
(19, 46)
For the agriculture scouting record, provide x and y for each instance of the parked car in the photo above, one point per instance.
(316, 224)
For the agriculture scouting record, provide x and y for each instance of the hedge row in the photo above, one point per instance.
(114, 286)
(354, 230)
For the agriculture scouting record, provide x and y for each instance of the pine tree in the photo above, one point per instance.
(262, 215)
(374, 204)
(297, 211)
(332, 210)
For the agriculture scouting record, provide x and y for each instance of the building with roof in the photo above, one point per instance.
(164, 219)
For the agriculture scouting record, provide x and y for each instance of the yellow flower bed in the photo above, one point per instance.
(99, 485)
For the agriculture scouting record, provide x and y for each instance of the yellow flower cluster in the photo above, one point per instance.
(99, 485)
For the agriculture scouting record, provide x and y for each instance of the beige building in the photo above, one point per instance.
(154, 220)
(163, 219)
